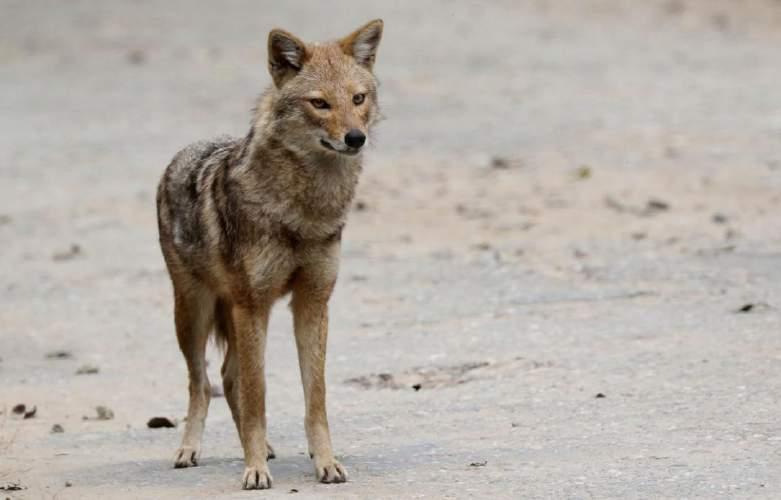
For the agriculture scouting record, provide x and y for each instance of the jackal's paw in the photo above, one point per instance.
(256, 478)
(186, 456)
(330, 471)
(270, 452)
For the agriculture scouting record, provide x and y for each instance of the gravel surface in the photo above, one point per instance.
(561, 279)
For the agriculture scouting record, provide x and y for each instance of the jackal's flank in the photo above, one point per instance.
(244, 221)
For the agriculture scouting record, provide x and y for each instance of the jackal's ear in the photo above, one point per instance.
(286, 55)
(362, 43)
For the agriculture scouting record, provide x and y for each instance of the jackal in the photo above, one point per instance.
(245, 221)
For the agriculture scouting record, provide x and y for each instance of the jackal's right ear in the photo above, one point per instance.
(286, 55)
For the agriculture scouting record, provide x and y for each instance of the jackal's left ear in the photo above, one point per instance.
(286, 56)
(362, 43)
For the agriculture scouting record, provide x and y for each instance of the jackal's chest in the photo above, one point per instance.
(271, 267)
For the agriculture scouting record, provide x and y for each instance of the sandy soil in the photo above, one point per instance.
(568, 199)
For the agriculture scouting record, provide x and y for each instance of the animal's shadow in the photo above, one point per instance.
(215, 471)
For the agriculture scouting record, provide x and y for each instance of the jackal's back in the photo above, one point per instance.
(189, 198)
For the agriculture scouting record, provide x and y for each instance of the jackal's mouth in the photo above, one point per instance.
(346, 151)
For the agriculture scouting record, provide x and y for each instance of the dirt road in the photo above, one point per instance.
(562, 278)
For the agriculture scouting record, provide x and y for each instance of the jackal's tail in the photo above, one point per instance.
(223, 324)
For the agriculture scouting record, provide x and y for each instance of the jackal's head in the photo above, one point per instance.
(326, 94)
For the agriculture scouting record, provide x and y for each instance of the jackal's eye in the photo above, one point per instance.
(319, 103)
(358, 99)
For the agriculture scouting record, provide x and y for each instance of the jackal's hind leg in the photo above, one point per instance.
(193, 311)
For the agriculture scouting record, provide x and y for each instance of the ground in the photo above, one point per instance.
(561, 278)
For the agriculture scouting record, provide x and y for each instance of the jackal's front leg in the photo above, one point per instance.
(251, 326)
(310, 313)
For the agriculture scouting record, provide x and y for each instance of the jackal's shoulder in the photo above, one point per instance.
(189, 175)
(197, 154)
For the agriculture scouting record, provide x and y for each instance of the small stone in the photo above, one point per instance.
(719, 218)
(136, 57)
(71, 253)
(160, 423)
(500, 162)
(103, 413)
(87, 370)
(583, 172)
(752, 307)
(59, 354)
(655, 205)
(57, 429)
(12, 487)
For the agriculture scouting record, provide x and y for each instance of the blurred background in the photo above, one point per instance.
(560, 278)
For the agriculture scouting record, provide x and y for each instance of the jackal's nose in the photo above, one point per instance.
(355, 138)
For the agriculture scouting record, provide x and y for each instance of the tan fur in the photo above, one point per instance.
(244, 222)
